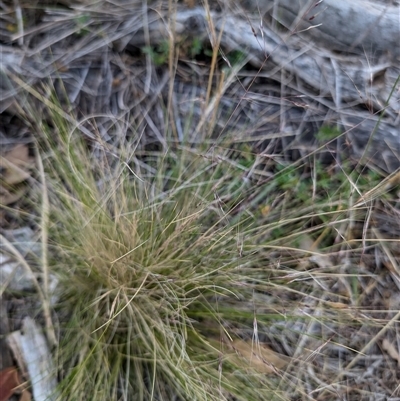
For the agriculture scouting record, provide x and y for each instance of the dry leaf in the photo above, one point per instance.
(265, 210)
(391, 350)
(15, 168)
(9, 381)
(308, 244)
(337, 305)
(190, 3)
(8, 197)
(25, 396)
(15, 165)
(258, 355)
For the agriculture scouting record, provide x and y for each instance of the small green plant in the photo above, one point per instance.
(159, 54)
(327, 133)
(196, 47)
(82, 21)
(236, 57)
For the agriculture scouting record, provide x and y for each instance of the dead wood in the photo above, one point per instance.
(359, 26)
(297, 86)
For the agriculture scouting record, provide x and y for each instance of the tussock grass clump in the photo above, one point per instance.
(145, 251)
(181, 269)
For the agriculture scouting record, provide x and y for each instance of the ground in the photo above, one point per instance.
(193, 216)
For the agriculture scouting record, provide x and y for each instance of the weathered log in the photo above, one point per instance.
(314, 85)
(357, 26)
